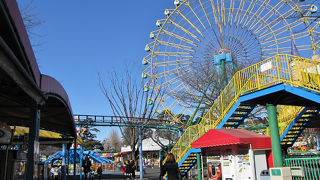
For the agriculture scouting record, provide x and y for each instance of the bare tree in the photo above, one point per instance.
(126, 97)
(31, 20)
(113, 142)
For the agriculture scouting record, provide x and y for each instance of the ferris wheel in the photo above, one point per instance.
(200, 44)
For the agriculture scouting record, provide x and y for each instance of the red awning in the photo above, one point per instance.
(223, 137)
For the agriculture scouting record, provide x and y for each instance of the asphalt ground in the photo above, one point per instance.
(149, 174)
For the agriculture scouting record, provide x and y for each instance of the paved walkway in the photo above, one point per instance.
(150, 174)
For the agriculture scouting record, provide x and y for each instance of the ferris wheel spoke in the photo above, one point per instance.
(252, 15)
(178, 46)
(179, 37)
(204, 27)
(174, 62)
(172, 81)
(175, 80)
(217, 20)
(208, 20)
(174, 54)
(184, 30)
(239, 12)
(184, 17)
(248, 11)
(181, 89)
(170, 72)
(265, 18)
(192, 25)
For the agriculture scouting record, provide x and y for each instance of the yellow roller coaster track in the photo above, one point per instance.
(282, 68)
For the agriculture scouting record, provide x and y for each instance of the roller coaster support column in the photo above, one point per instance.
(275, 137)
(63, 165)
(140, 153)
(160, 155)
(33, 142)
(80, 158)
(199, 166)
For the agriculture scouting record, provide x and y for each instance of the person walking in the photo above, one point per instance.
(86, 164)
(171, 168)
(133, 168)
(128, 169)
(99, 171)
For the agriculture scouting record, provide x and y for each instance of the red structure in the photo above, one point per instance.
(227, 137)
(240, 153)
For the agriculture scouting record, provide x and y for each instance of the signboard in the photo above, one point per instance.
(266, 66)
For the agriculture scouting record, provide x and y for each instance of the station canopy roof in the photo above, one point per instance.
(224, 137)
(23, 88)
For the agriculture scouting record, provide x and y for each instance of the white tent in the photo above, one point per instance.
(147, 145)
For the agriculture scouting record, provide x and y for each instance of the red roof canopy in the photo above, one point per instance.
(222, 137)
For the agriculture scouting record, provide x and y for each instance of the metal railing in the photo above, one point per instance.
(310, 166)
(286, 115)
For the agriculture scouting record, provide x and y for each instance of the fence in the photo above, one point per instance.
(310, 166)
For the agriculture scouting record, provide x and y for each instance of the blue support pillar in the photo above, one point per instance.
(81, 157)
(63, 166)
(318, 145)
(33, 143)
(140, 153)
(160, 156)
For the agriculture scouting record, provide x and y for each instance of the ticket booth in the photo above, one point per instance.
(242, 154)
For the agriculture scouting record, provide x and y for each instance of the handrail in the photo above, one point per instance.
(282, 68)
(286, 115)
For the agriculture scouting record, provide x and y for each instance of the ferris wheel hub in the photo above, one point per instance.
(224, 51)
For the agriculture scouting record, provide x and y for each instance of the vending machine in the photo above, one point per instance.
(213, 167)
(243, 166)
(228, 166)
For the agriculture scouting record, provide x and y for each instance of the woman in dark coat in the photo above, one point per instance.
(86, 164)
(133, 168)
(171, 168)
(128, 169)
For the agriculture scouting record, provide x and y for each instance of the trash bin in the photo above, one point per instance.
(264, 175)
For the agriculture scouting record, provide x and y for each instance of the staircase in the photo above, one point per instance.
(188, 163)
(239, 115)
(296, 127)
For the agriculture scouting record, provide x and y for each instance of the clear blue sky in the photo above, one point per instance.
(81, 38)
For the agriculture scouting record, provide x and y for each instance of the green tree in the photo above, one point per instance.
(88, 137)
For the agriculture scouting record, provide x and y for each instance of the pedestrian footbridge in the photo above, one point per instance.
(291, 82)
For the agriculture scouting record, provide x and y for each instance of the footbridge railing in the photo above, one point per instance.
(286, 115)
(283, 68)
